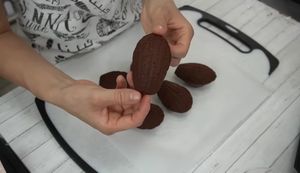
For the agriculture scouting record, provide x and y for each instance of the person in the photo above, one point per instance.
(62, 27)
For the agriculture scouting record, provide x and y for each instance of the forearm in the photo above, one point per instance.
(20, 64)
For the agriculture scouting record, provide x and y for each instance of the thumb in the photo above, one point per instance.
(159, 24)
(120, 97)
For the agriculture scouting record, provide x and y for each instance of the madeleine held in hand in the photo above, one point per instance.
(150, 63)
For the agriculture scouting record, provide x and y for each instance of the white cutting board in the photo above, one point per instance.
(183, 140)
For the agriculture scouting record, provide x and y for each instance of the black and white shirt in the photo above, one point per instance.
(62, 28)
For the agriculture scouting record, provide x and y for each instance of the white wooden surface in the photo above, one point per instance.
(265, 142)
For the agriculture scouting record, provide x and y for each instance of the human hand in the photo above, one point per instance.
(106, 110)
(162, 17)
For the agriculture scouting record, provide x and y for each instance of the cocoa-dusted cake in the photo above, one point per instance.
(108, 80)
(151, 61)
(195, 74)
(175, 97)
(154, 118)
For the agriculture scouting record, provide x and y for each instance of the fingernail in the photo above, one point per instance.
(135, 96)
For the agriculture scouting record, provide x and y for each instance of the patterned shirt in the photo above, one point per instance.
(62, 28)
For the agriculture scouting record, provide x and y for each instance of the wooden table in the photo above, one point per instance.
(264, 142)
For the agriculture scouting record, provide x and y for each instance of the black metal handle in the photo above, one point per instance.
(297, 162)
(65, 146)
(235, 33)
(10, 161)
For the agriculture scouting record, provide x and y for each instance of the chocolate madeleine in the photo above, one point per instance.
(175, 97)
(195, 74)
(151, 61)
(108, 80)
(154, 118)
